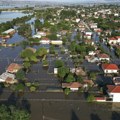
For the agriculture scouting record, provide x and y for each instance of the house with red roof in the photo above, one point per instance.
(114, 92)
(13, 68)
(114, 40)
(73, 86)
(110, 68)
(104, 57)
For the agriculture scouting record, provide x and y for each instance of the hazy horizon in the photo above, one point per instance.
(69, 0)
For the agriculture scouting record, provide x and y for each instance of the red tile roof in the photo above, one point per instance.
(118, 37)
(112, 38)
(110, 66)
(13, 66)
(113, 89)
(72, 85)
(99, 98)
(103, 55)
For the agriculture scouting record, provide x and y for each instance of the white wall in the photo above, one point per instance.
(108, 59)
(74, 89)
(110, 71)
(116, 97)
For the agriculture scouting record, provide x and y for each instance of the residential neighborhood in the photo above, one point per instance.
(65, 53)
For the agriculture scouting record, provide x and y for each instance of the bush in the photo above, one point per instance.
(90, 98)
(32, 88)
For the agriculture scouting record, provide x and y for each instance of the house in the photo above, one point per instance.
(103, 57)
(110, 68)
(13, 68)
(87, 36)
(114, 93)
(88, 33)
(92, 59)
(100, 99)
(45, 41)
(36, 36)
(92, 53)
(116, 80)
(7, 77)
(55, 71)
(112, 41)
(118, 38)
(77, 20)
(98, 30)
(93, 25)
(89, 42)
(80, 71)
(74, 86)
(10, 31)
(56, 42)
(41, 33)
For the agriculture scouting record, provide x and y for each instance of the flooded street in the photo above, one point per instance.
(8, 16)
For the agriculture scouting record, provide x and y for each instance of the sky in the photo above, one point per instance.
(74, 0)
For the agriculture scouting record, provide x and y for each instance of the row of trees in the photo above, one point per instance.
(13, 113)
(80, 48)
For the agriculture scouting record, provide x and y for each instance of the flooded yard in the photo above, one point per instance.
(72, 110)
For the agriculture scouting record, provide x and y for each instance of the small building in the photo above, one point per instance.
(103, 57)
(92, 53)
(93, 25)
(9, 31)
(112, 41)
(87, 36)
(116, 80)
(41, 33)
(13, 68)
(89, 42)
(36, 36)
(80, 71)
(114, 93)
(74, 86)
(56, 42)
(110, 68)
(93, 60)
(98, 30)
(55, 71)
(5, 76)
(45, 41)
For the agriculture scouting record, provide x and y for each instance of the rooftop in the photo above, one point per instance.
(113, 89)
(110, 66)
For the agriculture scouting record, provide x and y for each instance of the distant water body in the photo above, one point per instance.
(9, 16)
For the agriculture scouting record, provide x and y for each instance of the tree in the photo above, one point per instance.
(13, 113)
(20, 87)
(27, 53)
(79, 79)
(52, 36)
(62, 71)
(70, 78)
(67, 91)
(118, 52)
(59, 63)
(18, 114)
(20, 75)
(92, 75)
(25, 30)
(26, 65)
(52, 49)
(4, 113)
(33, 58)
(45, 63)
(90, 98)
(41, 52)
